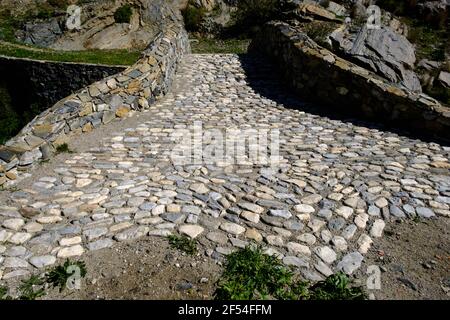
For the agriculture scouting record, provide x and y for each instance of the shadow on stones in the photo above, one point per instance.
(263, 77)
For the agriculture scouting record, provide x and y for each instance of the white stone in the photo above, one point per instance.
(191, 230)
(13, 224)
(298, 249)
(361, 220)
(232, 228)
(364, 242)
(326, 254)
(70, 241)
(42, 261)
(304, 208)
(344, 211)
(377, 228)
(76, 250)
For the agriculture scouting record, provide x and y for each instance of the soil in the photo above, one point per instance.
(414, 258)
(142, 270)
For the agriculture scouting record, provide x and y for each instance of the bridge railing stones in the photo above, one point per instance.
(319, 75)
(135, 88)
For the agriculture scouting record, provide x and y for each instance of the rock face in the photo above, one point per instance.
(43, 33)
(381, 50)
(98, 27)
(444, 79)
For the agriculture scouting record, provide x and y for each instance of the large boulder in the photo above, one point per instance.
(381, 50)
(42, 33)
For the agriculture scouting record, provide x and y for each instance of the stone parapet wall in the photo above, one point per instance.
(319, 75)
(135, 88)
(50, 81)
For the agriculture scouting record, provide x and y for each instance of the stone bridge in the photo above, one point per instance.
(327, 197)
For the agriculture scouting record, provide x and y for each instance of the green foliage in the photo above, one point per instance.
(183, 244)
(4, 293)
(123, 14)
(63, 148)
(193, 17)
(31, 288)
(250, 274)
(319, 31)
(336, 287)
(235, 46)
(252, 14)
(59, 275)
(430, 43)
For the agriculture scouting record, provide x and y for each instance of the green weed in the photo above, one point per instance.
(183, 243)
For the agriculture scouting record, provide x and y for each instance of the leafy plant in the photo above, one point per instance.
(31, 289)
(59, 275)
(4, 293)
(63, 148)
(183, 244)
(249, 274)
(336, 287)
(251, 14)
(193, 17)
(123, 14)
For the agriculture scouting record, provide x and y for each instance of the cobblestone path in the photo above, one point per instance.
(334, 189)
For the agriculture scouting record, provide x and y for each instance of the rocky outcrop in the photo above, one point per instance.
(381, 50)
(319, 75)
(43, 33)
(99, 30)
(116, 96)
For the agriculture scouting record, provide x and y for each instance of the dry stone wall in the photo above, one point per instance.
(321, 76)
(99, 103)
(47, 82)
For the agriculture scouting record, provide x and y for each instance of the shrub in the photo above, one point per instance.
(193, 18)
(251, 15)
(63, 148)
(250, 274)
(123, 14)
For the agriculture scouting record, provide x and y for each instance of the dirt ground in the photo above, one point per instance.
(414, 258)
(146, 269)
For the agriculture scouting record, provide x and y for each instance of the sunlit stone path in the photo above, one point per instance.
(326, 198)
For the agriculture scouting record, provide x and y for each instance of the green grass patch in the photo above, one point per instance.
(63, 148)
(183, 243)
(108, 57)
(59, 275)
(236, 46)
(250, 274)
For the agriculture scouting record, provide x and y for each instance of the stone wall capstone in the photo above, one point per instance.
(319, 75)
(135, 88)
